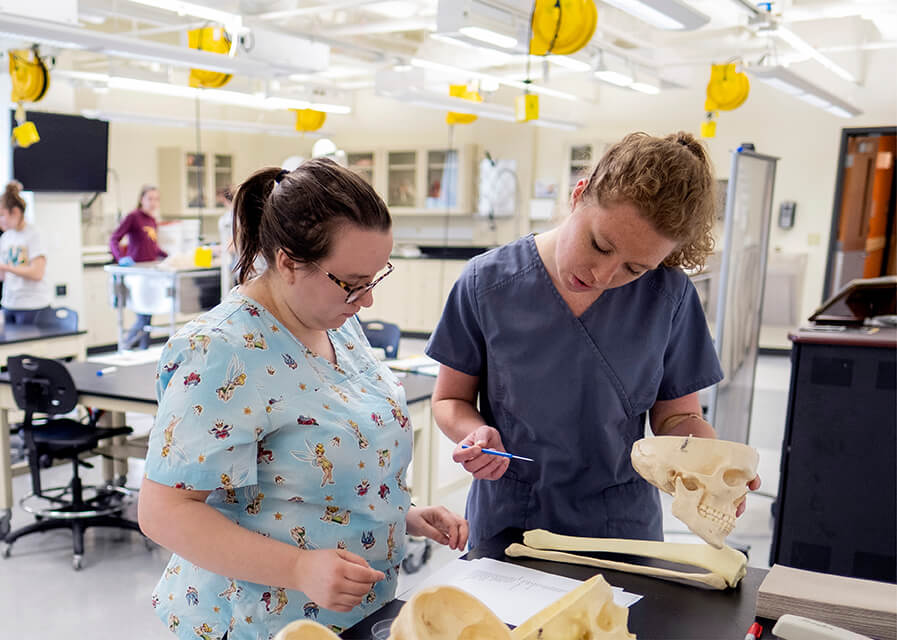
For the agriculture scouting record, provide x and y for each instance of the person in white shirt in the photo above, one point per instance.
(23, 261)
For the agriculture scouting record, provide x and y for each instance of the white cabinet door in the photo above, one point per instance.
(99, 315)
(414, 294)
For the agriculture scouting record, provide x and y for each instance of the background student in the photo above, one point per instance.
(23, 261)
(139, 229)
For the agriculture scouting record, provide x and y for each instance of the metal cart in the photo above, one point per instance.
(147, 288)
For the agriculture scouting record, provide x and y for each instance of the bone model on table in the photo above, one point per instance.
(707, 478)
(725, 567)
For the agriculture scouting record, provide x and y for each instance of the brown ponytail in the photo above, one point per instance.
(299, 211)
(249, 207)
(12, 199)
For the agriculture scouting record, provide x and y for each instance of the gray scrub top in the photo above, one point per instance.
(571, 393)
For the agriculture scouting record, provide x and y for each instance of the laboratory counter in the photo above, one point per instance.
(668, 610)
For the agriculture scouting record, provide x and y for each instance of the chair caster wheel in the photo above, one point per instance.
(76, 562)
(6, 551)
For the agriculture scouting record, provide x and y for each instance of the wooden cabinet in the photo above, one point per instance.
(193, 183)
(414, 294)
(420, 180)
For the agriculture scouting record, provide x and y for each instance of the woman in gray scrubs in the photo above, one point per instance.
(557, 347)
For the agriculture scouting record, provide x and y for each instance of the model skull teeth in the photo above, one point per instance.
(707, 479)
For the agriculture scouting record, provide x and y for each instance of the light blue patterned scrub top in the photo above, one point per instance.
(296, 448)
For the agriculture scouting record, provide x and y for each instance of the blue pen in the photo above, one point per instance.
(105, 371)
(493, 452)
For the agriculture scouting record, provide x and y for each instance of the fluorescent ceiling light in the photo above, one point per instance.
(127, 46)
(532, 88)
(489, 37)
(237, 126)
(787, 35)
(838, 111)
(395, 9)
(645, 87)
(482, 109)
(813, 99)
(663, 14)
(175, 59)
(50, 42)
(614, 77)
(789, 82)
(614, 70)
(218, 96)
(233, 20)
(569, 63)
(646, 82)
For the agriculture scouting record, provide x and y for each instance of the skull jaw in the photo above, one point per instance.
(710, 523)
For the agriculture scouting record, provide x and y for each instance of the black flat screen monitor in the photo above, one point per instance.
(71, 155)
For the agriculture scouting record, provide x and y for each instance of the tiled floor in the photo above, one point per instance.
(42, 597)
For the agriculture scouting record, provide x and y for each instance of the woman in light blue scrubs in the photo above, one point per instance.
(556, 347)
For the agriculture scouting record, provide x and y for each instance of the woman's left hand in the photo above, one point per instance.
(439, 524)
(753, 485)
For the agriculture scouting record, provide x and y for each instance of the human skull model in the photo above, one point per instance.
(707, 479)
(446, 613)
(305, 630)
(586, 613)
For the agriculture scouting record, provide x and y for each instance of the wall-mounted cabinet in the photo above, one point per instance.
(415, 181)
(192, 183)
(581, 157)
(414, 294)
(362, 163)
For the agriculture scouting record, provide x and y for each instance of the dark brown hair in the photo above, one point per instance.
(670, 181)
(143, 191)
(12, 199)
(299, 212)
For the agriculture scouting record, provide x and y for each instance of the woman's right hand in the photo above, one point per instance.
(335, 579)
(483, 466)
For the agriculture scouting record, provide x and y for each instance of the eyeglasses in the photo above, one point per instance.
(354, 293)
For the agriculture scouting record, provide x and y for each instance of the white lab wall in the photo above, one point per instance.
(58, 217)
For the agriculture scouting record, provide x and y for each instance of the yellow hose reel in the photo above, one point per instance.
(29, 75)
(461, 91)
(216, 40)
(30, 80)
(727, 90)
(309, 119)
(562, 26)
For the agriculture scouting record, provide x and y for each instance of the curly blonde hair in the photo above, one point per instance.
(670, 181)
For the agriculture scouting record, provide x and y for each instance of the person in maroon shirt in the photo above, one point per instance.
(139, 228)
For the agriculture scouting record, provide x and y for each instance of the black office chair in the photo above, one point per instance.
(58, 318)
(40, 385)
(383, 335)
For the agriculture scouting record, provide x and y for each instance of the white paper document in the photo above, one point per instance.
(513, 593)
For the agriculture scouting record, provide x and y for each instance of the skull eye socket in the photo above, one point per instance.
(733, 477)
(690, 483)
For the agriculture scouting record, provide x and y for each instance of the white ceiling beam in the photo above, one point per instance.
(54, 34)
(382, 26)
(307, 11)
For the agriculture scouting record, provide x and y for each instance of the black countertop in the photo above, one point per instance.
(668, 610)
(12, 334)
(444, 253)
(138, 382)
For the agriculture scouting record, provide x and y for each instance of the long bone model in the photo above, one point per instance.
(726, 566)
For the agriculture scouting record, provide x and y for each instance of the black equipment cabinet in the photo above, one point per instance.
(837, 503)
